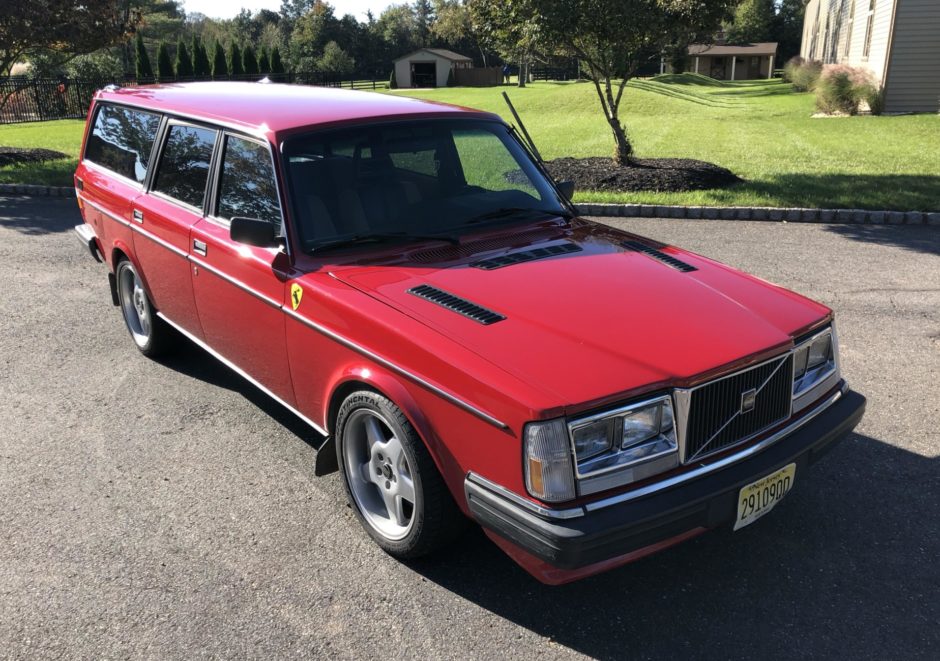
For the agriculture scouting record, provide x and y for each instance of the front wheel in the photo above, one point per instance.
(151, 334)
(391, 480)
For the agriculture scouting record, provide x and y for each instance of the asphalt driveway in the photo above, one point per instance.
(167, 510)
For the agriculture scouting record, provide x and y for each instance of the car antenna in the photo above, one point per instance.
(528, 138)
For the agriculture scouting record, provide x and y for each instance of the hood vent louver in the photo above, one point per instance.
(456, 304)
(526, 256)
(668, 260)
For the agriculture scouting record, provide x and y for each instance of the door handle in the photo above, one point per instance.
(199, 247)
(138, 215)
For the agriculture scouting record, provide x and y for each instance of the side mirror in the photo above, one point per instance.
(254, 232)
(566, 188)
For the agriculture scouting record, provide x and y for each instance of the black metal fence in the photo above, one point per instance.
(24, 99)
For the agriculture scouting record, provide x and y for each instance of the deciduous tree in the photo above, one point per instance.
(63, 25)
(611, 38)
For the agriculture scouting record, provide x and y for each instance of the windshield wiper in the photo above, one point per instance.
(509, 212)
(379, 237)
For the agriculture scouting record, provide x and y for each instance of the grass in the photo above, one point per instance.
(761, 130)
(63, 135)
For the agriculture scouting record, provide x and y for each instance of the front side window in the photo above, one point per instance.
(121, 140)
(184, 164)
(247, 187)
(412, 179)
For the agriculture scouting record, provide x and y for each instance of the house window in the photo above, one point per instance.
(869, 24)
(850, 25)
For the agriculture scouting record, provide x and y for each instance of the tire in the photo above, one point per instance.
(391, 480)
(152, 336)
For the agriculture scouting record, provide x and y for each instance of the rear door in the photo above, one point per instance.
(239, 288)
(166, 214)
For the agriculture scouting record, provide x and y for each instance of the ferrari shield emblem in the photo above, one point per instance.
(296, 293)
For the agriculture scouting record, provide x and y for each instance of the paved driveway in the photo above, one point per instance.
(168, 510)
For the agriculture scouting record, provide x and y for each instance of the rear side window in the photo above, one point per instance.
(121, 140)
(184, 164)
(247, 187)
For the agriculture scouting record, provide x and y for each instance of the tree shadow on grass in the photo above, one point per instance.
(39, 215)
(847, 557)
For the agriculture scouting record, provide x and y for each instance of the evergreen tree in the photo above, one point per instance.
(235, 60)
(143, 69)
(264, 62)
(451, 78)
(249, 61)
(184, 64)
(164, 63)
(277, 67)
(392, 81)
(201, 66)
(219, 67)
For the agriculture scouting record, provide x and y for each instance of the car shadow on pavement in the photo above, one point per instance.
(194, 362)
(848, 557)
(39, 215)
(921, 238)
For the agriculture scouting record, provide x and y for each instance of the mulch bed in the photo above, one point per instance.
(668, 175)
(14, 155)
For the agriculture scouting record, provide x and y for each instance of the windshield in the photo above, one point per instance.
(416, 179)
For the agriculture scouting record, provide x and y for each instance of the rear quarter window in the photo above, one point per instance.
(121, 140)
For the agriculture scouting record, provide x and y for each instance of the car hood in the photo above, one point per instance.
(588, 315)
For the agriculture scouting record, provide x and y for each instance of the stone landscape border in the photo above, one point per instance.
(792, 215)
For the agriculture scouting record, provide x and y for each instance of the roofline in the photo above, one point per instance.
(462, 58)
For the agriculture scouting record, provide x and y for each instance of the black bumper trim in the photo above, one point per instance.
(706, 502)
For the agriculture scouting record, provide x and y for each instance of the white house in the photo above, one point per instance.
(428, 67)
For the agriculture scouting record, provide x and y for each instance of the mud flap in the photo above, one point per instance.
(325, 463)
(112, 282)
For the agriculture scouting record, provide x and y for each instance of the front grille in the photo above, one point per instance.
(716, 420)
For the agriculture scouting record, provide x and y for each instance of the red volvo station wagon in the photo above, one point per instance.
(406, 278)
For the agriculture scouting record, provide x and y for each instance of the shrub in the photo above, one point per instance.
(803, 74)
(875, 98)
(100, 66)
(392, 81)
(842, 88)
(451, 78)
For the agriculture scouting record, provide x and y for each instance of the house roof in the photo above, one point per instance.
(762, 48)
(440, 52)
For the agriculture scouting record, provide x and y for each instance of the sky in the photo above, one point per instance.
(229, 8)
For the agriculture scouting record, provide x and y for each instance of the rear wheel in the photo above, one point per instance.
(391, 480)
(150, 333)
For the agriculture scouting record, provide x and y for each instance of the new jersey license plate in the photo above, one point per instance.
(759, 497)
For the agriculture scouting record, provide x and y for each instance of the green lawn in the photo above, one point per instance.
(760, 130)
(64, 136)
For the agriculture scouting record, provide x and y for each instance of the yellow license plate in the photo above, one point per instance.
(758, 498)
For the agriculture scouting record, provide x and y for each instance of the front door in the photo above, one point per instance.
(239, 288)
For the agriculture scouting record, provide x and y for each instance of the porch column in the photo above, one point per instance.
(696, 65)
(662, 65)
(770, 71)
(734, 62)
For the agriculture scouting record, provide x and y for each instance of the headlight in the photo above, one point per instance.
(625, 445)
(548, 471)
(815, 360)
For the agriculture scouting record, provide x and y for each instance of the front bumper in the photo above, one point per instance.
(586, 537)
